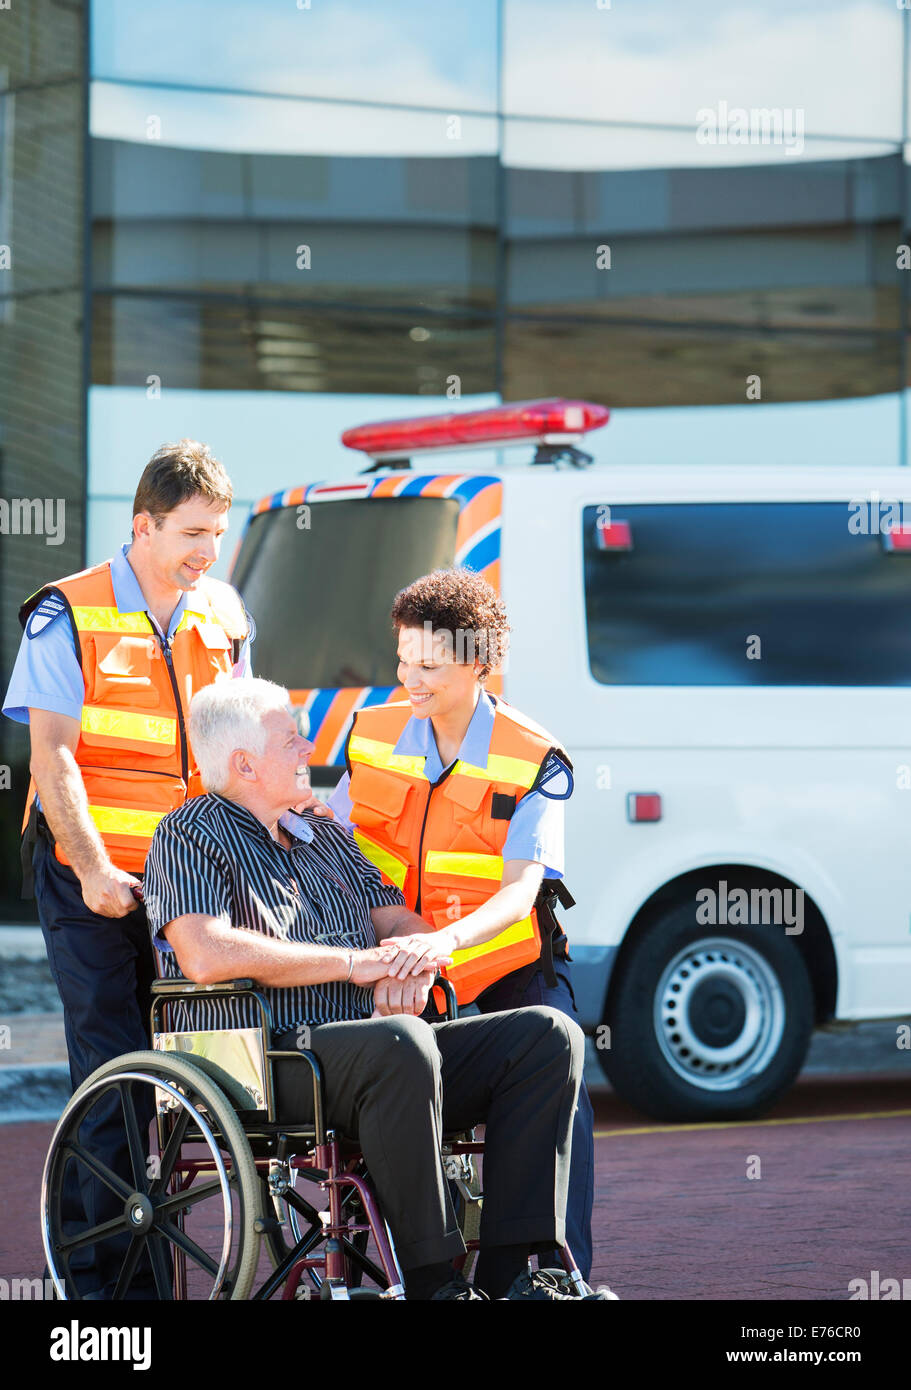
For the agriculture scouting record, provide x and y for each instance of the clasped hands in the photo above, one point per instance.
(411, 972)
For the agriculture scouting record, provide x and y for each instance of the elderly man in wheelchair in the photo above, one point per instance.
(291, 1057)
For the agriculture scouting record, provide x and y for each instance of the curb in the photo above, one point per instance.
(36, 1091)
(21, 943)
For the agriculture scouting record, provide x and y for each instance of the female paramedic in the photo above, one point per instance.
(458, 799)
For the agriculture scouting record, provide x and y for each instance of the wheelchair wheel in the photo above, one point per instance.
(176, 1222)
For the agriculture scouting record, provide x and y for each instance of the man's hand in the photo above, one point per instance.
(312, 803)
(409, 996)
(109, 892)
(373, 964)
(423, 951)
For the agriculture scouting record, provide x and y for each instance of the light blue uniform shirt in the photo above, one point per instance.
(48, 673)
(536, 829)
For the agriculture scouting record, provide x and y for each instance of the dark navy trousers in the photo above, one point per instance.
(505, 995)
(103, 968)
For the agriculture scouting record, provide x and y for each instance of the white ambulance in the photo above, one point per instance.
(726, 654)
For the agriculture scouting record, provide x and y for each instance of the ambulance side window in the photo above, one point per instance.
(755, 594)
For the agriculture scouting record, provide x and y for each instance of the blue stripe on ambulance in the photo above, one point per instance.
(485, 552)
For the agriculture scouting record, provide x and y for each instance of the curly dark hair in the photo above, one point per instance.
(463, 605)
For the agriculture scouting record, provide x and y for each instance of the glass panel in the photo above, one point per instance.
(684, 605)
(420, 52)
(206, 120)
(368, 550)
(41, 187)
(546, 199)
(650, 364)
(531, 143)
(40, 40)
(822, 278)
(659, 62)
(166, 342)
(166, 218)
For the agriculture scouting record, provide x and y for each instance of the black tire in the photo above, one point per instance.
(730, 1030)
(158, 1230)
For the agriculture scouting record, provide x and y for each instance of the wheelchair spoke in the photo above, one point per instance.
(115, 1227)
(99, 1169)
(187, 1198)
(138, 1146)
(172, 1150)
(128, 1268)
(188, 1246)
(161, 1266)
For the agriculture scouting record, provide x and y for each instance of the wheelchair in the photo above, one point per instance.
(218, 1183)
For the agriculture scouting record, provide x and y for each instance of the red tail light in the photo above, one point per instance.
(614, 535)
(643, 806)
(899, 538)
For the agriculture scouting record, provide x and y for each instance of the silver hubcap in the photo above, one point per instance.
(719, 1014)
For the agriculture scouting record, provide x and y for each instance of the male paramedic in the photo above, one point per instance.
(108, 663)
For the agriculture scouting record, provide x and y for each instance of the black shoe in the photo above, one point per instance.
(458, 1288)
(552, 1286)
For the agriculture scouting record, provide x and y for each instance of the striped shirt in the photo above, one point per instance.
(213, 856)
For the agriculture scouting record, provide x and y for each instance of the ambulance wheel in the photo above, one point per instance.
(707, 1022)
(183, 1224)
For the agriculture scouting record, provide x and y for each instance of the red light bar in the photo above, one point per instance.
(899, 538)
(502, 424)
(614, 535)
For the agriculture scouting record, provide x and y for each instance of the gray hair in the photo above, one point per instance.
(226, 716)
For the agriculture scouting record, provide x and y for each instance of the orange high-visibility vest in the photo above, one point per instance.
(442, 843)
(133, 751)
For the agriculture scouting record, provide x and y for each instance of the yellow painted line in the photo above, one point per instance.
(753, 1124)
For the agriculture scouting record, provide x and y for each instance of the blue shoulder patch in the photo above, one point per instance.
(554, 779)
(251, 634)
(48, 609)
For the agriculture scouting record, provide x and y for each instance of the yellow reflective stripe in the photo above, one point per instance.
(463, 865)
(110, 620)
(116, 820)
(519, 931)
(376, 754)
(499, 769)
(393, 868)
(194, 617)
(118, 723)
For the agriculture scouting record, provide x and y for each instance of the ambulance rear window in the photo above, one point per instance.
(756, 594)
(321, 597)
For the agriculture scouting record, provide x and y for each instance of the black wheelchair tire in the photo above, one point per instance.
(198, 1088)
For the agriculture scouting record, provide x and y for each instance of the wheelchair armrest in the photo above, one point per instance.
(305, 1055)
(164, 988)
(449, 994)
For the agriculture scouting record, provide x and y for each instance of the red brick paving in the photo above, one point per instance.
(675, 1215)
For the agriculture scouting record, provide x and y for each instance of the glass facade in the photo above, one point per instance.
(297, 211)
(42, 345)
